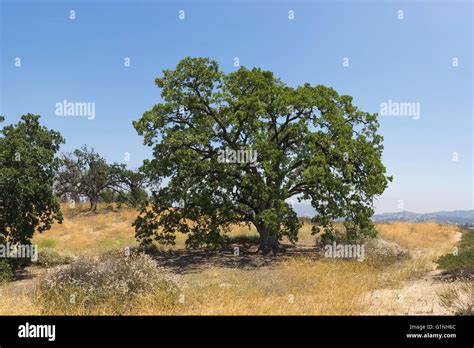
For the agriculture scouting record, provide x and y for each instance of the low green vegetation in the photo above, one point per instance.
(462, 257)
(51, 258)
(6, 271)
(47, 243)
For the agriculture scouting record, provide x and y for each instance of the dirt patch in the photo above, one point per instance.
(416, 296)
(25, 281)
(245, 257)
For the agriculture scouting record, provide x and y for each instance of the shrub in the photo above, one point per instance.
(384, 252)
(112, 284)
(6, 271)
(464, 258)
(50, 258)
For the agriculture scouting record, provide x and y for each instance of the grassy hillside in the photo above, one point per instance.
(301, 281)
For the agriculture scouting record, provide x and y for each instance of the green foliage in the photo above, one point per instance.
(311, 142)
(86, 173)
(47, 243)
(6, 271)
(50, 258)
(108, 196)
(27, 169)
(132, 192)
(464, 258)
(134, 198)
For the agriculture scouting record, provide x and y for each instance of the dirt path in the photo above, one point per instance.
(415, 297)
(26, 282)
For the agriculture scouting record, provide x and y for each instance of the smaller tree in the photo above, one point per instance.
(27, 167)
(130, 192)
(131, 189)
(84, 173)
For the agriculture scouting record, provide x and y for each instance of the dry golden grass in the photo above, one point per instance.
(90, 234)
(295, 285)
(459, 297)
(435, 237)
(18, 305)
(425, 243)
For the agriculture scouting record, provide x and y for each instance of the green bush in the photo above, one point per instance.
(464, 258)
(50, 258)
(6, 271)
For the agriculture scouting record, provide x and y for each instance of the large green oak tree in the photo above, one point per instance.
(310, 143)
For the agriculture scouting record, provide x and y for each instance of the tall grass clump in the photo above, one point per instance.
(459, 298)
(115, 283)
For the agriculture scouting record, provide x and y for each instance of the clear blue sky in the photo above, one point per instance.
(408, 60)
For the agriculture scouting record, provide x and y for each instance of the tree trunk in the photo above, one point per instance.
(268, 241)
(93, 207)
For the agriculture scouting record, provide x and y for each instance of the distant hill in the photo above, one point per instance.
(460, 217)
(304, 210)
(451, 217)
